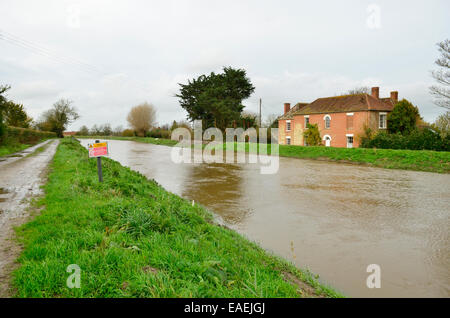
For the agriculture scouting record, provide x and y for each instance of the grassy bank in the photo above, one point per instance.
(7, 149)
(131, 238)
(419, 160)
(17, 139)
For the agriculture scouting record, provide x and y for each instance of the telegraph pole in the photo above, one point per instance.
(260, 101)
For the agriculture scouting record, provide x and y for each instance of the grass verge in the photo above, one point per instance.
(12, 148)
(419, 160)
(132, 238)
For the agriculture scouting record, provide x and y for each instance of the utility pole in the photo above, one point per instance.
(260, 101)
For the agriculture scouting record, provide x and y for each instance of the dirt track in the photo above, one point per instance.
(21, 177)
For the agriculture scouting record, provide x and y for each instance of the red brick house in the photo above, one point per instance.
(341, 119)
(69, 133)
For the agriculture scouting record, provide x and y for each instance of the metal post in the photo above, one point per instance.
(99, 166)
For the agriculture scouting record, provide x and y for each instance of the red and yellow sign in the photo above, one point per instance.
(98, 149)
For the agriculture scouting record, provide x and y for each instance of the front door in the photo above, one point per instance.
(327, 141)
(349, 141)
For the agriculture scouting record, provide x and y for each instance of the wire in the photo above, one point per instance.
(43, 51)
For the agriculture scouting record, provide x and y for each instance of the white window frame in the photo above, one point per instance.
(306, 117)
(379, 120)
(288, 138)
(288, 122)
(325, 119)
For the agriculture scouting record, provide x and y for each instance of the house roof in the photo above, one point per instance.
(345, 103)
(289, 114)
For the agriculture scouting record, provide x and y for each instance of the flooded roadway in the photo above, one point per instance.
(334, 219)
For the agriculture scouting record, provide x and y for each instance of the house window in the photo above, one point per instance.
(349, 121)
(288, 140)
(306, 121)
(327, 119)
(383, 121)
(288, 125)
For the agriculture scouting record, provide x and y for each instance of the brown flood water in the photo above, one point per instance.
(334, 219)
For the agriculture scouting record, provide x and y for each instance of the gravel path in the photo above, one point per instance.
(21, 177)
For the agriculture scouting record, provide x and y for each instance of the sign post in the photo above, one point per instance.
(99, 169)
(98, 150)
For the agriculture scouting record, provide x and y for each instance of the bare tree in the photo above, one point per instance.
(358, 90)
(442, 76)
(142, 117)
(57, 118)
(118, 131)
(95, 130)
(271, 121)
(442, 123)
(106, 129)
(84, 131)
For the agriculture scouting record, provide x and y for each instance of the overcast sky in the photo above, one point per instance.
(108, 56)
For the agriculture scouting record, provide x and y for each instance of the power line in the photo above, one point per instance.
(37, 49)
(43, 51)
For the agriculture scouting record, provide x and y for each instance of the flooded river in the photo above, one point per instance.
(334, 219)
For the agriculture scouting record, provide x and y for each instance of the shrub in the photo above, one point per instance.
(159, 133)
(418, 139)
(128, 133)
(312, 135)
(26, 136)
(2, 128)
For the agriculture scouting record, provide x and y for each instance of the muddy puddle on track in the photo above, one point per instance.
(334, 219)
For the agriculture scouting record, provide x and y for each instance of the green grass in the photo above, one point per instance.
(419, 160)
(12, 148)
(132, 238)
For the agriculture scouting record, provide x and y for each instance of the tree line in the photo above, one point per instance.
(56, 119)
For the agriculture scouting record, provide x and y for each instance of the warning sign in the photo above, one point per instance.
(98, 149)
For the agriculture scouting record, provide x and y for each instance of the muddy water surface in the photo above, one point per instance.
(334, 219)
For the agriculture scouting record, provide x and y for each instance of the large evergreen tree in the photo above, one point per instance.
(3, 100)
(15, 115)
(216, 99)
(403, 118)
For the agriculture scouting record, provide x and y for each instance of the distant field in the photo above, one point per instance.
(419, 160)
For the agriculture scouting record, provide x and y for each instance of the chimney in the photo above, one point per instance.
(394, 96)
(376, 92)
(287, 107)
